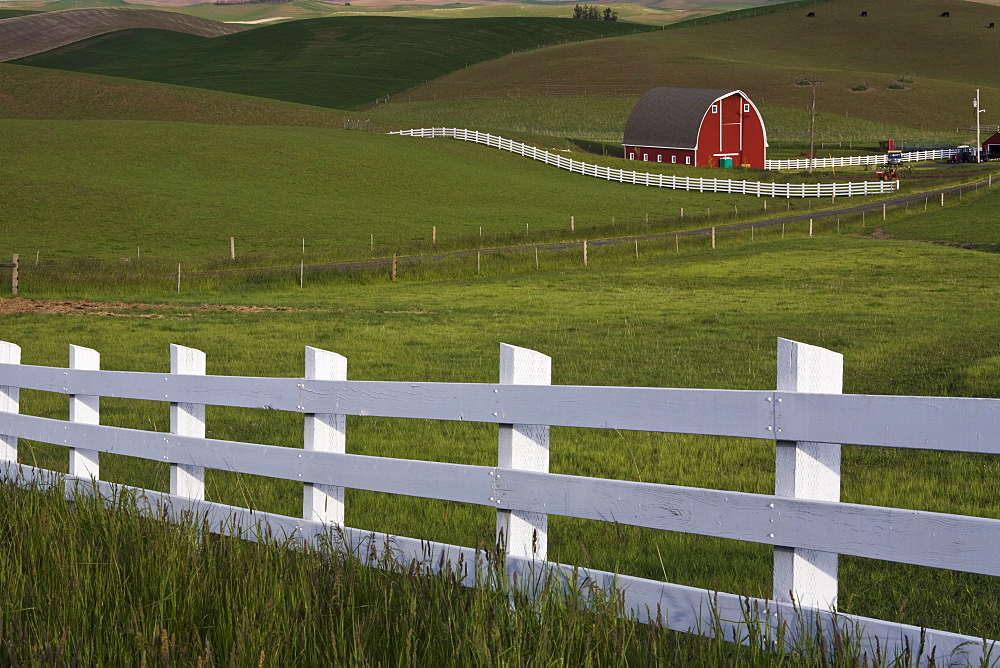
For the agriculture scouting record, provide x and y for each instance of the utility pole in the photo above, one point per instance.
(812, 81)
(812, 129)
(979, 139)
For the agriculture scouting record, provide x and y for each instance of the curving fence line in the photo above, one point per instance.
(758, 188)
(880, 159)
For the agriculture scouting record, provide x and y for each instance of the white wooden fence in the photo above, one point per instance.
(758, 188)
(880, 159)
(804, 520)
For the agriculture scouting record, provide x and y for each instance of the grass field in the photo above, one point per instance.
(693, 319)
(184, 189)
(34, 93)
(336, 62)
(837, 46)
(602, 118)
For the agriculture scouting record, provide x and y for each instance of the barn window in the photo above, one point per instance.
(645, 156)
(746, 108)
(631, 156)
(715, 108)
(673, 159)
(687, 160)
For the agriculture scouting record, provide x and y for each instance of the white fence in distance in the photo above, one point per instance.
(880, 159)
(758, 188)
(804, 520)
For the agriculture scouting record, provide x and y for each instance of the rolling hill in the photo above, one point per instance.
(179, 190)
(336, 62)
(22, 36)
(40, 94)
(857, 58)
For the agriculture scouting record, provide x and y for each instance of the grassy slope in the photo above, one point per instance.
(35, 93)
(836, 46)
(602, 118)
(180, 190)
(337, 62)
(697, 319)
(977, 223)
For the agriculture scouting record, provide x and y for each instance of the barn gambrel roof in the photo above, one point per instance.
(671, 117)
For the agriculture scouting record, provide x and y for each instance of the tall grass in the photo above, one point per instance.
(100, 582)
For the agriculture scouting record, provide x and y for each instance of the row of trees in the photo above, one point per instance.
(592, 13)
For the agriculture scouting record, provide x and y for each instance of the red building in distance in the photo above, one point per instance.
(991, 148)
(696, 126)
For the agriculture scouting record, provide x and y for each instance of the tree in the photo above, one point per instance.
(610, 15)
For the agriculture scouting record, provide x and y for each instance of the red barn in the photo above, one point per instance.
(991, 148)
(696, 126)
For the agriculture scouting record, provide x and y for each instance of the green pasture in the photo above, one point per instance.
(544, 120)
(698, 318)
(43, 94)
(976, 224)
(598, 117)
(899, 40)
(344, 62)
(177, 192)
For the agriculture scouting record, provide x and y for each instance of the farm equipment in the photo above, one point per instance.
(963, 153)
(887, 174)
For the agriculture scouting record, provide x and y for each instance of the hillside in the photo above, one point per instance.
(899, 39)
(336, 62)
(34, 33)
(34, 93)
(179, 190)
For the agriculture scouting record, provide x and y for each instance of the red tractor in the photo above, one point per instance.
(893, 161)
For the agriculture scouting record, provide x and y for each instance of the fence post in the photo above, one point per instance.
(525, 447)
(9, 395)
(187, 420)
(807, 471)
(84, 408)
(14, 279)
(325, 432)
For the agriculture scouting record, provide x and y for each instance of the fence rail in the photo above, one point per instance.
(880, 159)
(806, 523)
(758, 188)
